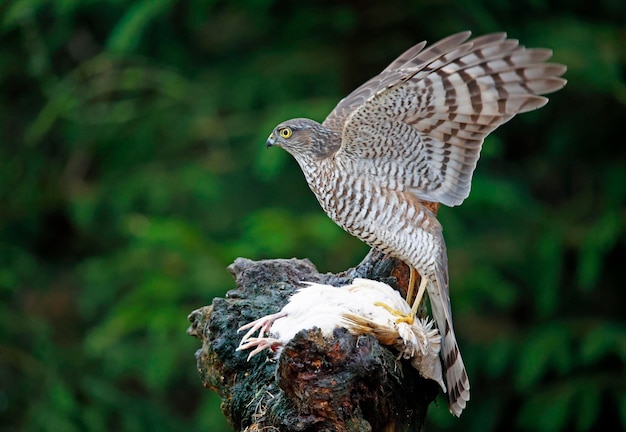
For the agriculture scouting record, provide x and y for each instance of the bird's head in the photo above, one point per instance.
(304, 139)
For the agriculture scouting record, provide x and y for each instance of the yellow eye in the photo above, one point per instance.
(285, 132)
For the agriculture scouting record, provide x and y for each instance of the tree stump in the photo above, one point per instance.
(344, 383)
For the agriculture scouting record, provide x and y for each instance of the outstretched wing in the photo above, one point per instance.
(390, 75)
(423, 120)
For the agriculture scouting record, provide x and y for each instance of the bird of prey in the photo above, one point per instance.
(362, 307)
(409, 139)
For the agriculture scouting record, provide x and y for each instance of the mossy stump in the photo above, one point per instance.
(344, 383)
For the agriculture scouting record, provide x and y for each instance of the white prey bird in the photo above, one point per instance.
(363, 307)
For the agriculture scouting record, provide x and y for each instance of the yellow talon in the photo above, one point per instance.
(402, 317)
(410, 317)
(389, 308)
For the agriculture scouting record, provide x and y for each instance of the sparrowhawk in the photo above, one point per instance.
(410, 137)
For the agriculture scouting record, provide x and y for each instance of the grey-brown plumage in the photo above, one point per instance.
(412, 135)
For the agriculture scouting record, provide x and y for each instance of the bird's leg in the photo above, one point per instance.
(411, 287)
(418, 298)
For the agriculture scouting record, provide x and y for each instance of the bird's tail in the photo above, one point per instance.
(453, 366)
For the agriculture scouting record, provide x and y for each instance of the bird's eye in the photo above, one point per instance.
(285, 132)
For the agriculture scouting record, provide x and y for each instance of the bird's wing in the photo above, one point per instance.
(390, 75)
(421, 123)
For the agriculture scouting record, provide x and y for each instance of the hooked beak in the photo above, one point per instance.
(270, 141)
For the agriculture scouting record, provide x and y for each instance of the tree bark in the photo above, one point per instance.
(343, 383)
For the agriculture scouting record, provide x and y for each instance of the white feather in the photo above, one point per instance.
(356, 307)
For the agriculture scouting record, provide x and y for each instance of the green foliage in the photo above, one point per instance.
(133, 171)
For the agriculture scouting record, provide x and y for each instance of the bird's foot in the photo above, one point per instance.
(259, 344)
(402, 316)
(262, 325)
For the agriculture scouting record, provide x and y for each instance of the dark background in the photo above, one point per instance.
(133, 171)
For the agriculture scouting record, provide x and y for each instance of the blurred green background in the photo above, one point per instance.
(133, 171)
